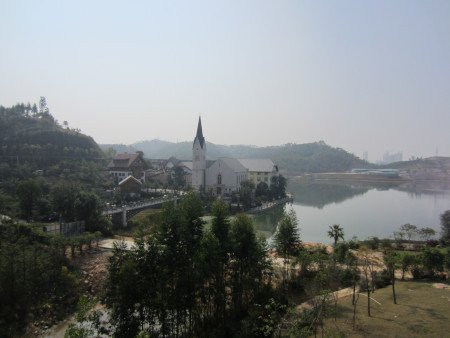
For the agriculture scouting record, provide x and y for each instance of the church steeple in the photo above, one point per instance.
(199, 159)
(199, 135)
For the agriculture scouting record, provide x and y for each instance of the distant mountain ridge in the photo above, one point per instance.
(291, 158)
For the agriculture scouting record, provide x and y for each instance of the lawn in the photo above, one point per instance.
(422, 311)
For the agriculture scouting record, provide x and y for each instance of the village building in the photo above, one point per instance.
(260, 170)
(124, 165)
(130, 186)
(225, 175)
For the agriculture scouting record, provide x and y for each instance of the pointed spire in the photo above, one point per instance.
(199, 128)
(199, 135)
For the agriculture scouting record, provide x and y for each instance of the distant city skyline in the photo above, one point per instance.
(366, 76)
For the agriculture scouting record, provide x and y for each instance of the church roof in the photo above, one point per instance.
(233, 164)
(199, 135)
(257, 164)
(187, 164)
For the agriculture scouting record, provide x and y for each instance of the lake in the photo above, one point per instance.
(362, 209)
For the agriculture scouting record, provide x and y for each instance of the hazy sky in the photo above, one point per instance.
(361, 75)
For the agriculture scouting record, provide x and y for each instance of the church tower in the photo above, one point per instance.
(199, 159)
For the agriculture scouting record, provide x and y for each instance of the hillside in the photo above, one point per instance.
(292, 158)
(34, 135)
(431, 168)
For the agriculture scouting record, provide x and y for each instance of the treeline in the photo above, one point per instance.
(186, 280)
(36, 280)
(31, 133)
(37, 199)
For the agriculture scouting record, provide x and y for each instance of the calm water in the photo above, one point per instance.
(363, 210)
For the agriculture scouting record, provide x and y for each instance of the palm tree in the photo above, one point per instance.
(336, 232)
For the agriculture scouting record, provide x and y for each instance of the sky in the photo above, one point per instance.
(360, 75)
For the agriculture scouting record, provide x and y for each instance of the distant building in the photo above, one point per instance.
(224, 176)
(366, 156)
(130, 186)
(390, 158)
(124, 165)
(395, 173)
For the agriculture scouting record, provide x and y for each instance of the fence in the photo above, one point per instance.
(65, 229)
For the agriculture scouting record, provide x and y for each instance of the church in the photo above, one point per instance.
(224, 175)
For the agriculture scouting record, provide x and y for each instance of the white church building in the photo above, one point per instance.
(224, 176)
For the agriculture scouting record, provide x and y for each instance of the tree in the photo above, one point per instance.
(33, 272)
(220, 229)
(246, 193)
(367, 268)
(433, 260)
(176, 178)
(445, 226)
(426, 233)
(186, 281)
(43, 109)
(391, 262)
(406, 262)
(249, 264)
(278, 185)
(29, 193)
(447, 259)
(336, 232)
(409, 230)
(287, 239)
(63, 198)
(88, 208)
(7, 204)
(262, 190)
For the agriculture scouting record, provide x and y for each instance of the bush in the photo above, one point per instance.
(373, 243)
(447, 259)
(347, 276)
(386, 243)
(417, 272)
(353, 243)
(433, 260)
(432, 243)
(381, 279)
(340, 251)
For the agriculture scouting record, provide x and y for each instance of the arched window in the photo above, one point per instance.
(219, 179)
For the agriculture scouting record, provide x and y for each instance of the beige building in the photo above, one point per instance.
(259, 169)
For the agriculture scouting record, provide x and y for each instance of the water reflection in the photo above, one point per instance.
(267, 221)
(321, 193)
(363, 209)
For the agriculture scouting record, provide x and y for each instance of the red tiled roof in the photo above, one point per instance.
(122, 160)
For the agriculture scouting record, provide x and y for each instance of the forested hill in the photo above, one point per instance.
(293, 158)
(31, 133)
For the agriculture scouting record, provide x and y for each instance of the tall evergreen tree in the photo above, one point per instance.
(287, 239)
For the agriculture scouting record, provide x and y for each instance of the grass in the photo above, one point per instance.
(421, 311)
